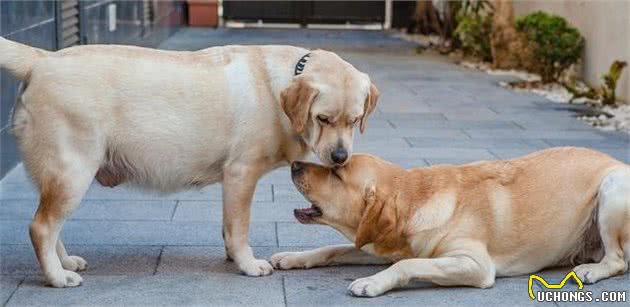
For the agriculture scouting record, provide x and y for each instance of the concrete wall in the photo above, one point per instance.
(33, 22)
(606, 27)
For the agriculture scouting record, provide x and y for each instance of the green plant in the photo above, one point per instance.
(473, 31)
(606, 92)
(556, 44)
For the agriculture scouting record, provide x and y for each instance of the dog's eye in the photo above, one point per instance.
(323, 119)
(354, 121)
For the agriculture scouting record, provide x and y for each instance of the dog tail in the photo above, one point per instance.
(19, 59)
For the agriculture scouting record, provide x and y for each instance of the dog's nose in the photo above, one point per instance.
(297, 167)
(339, 155)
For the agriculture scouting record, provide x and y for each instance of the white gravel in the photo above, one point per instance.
(619, 121)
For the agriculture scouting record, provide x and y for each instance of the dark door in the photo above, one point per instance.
(305, 12)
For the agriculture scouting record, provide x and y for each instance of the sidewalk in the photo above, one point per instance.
(150, 250)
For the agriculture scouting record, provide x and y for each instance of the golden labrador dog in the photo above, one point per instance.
(465, 225)
(169, 121)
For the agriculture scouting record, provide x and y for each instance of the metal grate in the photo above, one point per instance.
(68, 23)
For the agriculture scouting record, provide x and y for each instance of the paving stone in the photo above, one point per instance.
(409, 116)
(280, 175)
(554, 123)
(8, 285)
(96, 210)
(279, 211)
(295, 234)
(417, 154)
(162, 290)
(316, 291)
(13, 190)
(463, 124)
(287, 192)
(365, 144)
(532, 134)
(595, 144)
(211, 260)
(140, 233)
(476, 143)
(470, 113)
(102, 259)
(411, 132)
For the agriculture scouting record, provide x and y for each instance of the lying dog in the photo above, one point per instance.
(465, 225)
(170, 120)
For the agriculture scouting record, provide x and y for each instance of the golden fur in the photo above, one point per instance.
(464, 225)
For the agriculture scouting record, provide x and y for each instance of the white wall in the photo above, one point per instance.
(606, 27)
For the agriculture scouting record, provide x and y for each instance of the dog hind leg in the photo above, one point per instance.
(614, 227)
(62, 160)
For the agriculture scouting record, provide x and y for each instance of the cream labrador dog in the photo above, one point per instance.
(169, 121)
(465, 225)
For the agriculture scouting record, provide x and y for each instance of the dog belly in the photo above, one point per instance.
(156, 166)
(583, 246)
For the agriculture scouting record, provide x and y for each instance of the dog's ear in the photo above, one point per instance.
(296, 102)
(378, 223)
(370, 104)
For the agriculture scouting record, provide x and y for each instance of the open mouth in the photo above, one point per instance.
(306, 215)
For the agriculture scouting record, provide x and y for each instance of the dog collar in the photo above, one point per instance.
(299, 67)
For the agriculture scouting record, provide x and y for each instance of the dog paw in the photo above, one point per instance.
(289, 260)
(589, 273)
(366, 287)
(256, 267)
(66, 279)
(74, 263)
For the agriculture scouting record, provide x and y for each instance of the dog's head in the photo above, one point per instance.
(326, 102)
(346, 198)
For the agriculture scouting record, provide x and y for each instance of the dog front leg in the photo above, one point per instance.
(323, 256)
(445, 271)
(239, 184)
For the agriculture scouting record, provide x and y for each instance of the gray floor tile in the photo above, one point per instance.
(595, 144)
(295, 234)
(23, 189)
(279, 211)
(211, 260)
(102, 259)
(317, 291)
(140, 233)
(532, 134)
(456, 124)
(477, 143)
(96, 210)
(8, 285)
(161, 290)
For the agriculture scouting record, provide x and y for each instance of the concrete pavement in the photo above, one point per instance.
(146, 249)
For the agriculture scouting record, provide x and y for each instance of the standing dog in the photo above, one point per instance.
(175, 120)
(464, 225)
